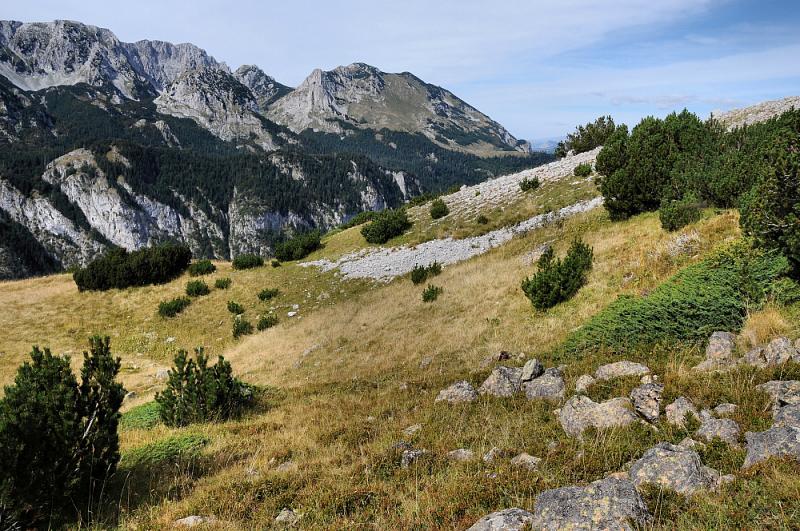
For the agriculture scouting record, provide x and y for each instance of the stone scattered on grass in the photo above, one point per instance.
(412, 430)
(583, 383)
(724, 429)
(620, 369)
(526, 461)
(779, 442)
(647, 400)
(195, 520)
(533, 368)
(581, 413)
(502, 382)
(513, 519)
(679, 409)
(673, 467)
(409, 457)
(549, 386)
(725, 409)
(458, 392)
(493, 454)
(461, 454)
(787, 416)
(287, 518)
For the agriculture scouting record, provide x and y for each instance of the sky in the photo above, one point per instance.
(537, 67)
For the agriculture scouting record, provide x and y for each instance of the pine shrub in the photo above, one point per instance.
(222, 283)
(275, 263)
(173, 307)
(431, 293)
(439, 209)
(268, 294)
(582, 170)
(298, 247)
(120, 269)
(386, 225)
(241, 327)
(199, 392)
(482, 220)
(197, 288)
(421, 273)
(247, 261)
(526, 184)
(266, 321)
(202, 267)
(235, 308)
(675, 215)
(555, 280)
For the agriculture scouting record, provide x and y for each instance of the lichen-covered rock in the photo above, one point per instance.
(527, 461)
(609, 503)
(461, 454)
(779, 351)
(583, 383)
(780, 442)
(458, 392)
(725, 409)
(720, 347)
(581, 413)
(503, 381)
(549, 386)
(409, 457)
(674, 467)
(677, 411)
(781, 392)
(532, 369)
(725, 429)
(620, 369)
(787, 416)
(493, 454)
(647, 400)
(513, 519)
(287, 518)
(755, 357)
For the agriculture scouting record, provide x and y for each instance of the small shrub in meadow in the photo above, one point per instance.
(675, 215)
(439, 209)
(241, 327)
(222, 283)
(202, 267)
(275, 263)
(235, 308)
(431, 293)
(197, 288)
(386, 225)
(298, 247)
(582, 170)
(173, 307)
(266, 321)
(527, 185)
(247, 261)
(421, 273)
(482, 220)
(268, 293)
(555, 280)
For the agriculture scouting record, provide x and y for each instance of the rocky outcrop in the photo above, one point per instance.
(673, 467)
(549, 386)
(757, 113)
(647, 400)
(264, 88)
(503, 382)
(679, 410)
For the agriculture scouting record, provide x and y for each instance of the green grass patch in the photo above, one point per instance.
(141, 417)
(165, 451)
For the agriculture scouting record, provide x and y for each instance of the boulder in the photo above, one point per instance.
(412, 430)
(461, 454)
(513, 519)
(787, 416)
(195, 520)
(620, 369)
(503, 381)
(720, 347)
(532, 369)
(673, 467)
(677, 411)
(583, 383)
(581, 412)
(781, 442)
(725, 409)
(779, 351)
(409, 457)
(549, 386)
(458, 392)
(493, 454)
(287, 518)
(782, 392)
(724, 429)
(527, 461)
(755, 357)
(647, 400)
(609, 503)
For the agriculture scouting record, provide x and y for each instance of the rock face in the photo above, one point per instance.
(673, 467)
(581, 413)
(779, 351)
(458, 392)
(620, 369)
(787, 416)
(583, 383)
(757, 113)
(782, 392)
(532, 369)
(647, 400)
(513, 519)
(719, 352)
(610, 503)
(264, 87)
(780, 442)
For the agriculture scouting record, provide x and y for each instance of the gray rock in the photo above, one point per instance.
(720, 347)
(782, 392)
(129, 396)
(781, 442)
(673, 467)
(287, 518)
(779, 351)
(513, 519)
(195, 520)
(677, 411)
(609, 503)
(647, 400)
(725, 409)
(458, 392)
(162, 374)
(503, 381)
(409, 457)
(581, 413)
(461, 454)
(532, 369)
(620, 369)
(688, 442)
(787, 416)
(493, 454)
(412, 430)
(549, 386)
(583, 383)
(527, 461)
(755, 357)
(725, 429)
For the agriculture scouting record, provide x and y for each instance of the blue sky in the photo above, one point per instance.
(537, 67)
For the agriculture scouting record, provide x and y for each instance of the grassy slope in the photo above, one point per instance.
(337, 410)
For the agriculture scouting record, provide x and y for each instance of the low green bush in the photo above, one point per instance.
(675, 215)
(241, 327)
(247, 261)
(268, 293)
(431, 293)
(275, 263)
(298, 247)
(582, 170)
(141, 417)
(266, 321)
(386, 225)
(482, 220)
(527, 185)
(555, 280)
(785, 291)
(223, 283)
(714, 294)
(173, 307)
(202, 267)
(197, 288)
(120, 269)
(439, 209)
(421, 273)
(235, 308)
(358, 219)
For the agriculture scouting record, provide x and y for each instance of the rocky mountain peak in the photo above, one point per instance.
(264, 87)
(162, 62)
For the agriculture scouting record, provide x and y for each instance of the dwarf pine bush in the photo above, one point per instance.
(298, 247)
(173, 307)
(120, 269)
(557, 280)
(526, 184)
(247, 261)
(582, 170)
(268, 294)
(675, 215)
(431, 293)
(421, 273)
(197, 288)
(235, 308)
(439, 209)
(386, 225)
(266, 321)
(241, 327)
(202, 267)
(222, 283)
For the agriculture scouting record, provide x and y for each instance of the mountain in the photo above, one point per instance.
(105, 143)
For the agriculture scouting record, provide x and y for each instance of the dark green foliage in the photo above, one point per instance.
(431, 293)
(298, 247)
(482, 220)
(58, 438)
(386, 225)
(120, 269)
(526, 184)
(582, 170)
(196, 288)
(439, 209)
(222, 283)
(785, 291)
(434, 269)
(421, 273)
(235, 308)
(555, 280)
(247, 261)
(587, 137)
(34, 259)
(275, 263)
(197, 392)
(202, 267)
(173, 307)
(141, 417)
(241, 327)
(358, 219)
(711, 295)
(266, 321)
(268, 293)
(676, 214)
